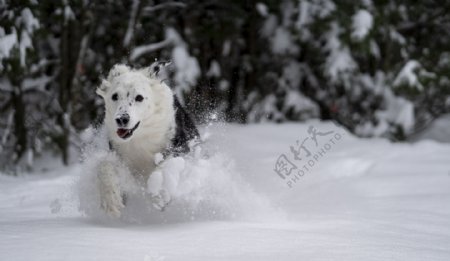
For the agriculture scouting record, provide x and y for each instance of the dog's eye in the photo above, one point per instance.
(139, 98)
(115, 96)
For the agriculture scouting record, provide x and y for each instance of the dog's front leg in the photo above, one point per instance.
(111, 200)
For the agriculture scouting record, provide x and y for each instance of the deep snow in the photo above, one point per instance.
(364, 199)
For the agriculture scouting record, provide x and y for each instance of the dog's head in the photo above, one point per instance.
(129, 100)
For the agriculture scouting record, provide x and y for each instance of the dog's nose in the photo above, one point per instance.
(123, 120)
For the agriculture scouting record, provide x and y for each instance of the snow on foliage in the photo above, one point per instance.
(301, 105)
(438, 131)
(295, 104)
(410, 75)
(308, 13)
(362, 23)
(269, 26)
(26, 24)
(310, 9)
(265, 110)
(25, 43)
(262, 9)
(375, 49)
(339, 60)
(280, 38)
(30, 22)
(7, 43)
(282, 42)
(399, 112)
(187, 68)
(68, 14)
(214, 69)
(396, 36)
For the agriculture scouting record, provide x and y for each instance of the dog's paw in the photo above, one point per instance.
(111, 200)
(112, 203)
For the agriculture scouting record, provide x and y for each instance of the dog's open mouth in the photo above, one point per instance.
(126, 133)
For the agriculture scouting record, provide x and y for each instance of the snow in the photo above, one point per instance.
(375, 49)
(68, 14)
(130, 29)
(291, 74)
(408, 75)
(25, 43)
(264, 109)
(268, 28)
(313, 8)
(339, 60)
(223, 85)
(438, 130)
(7, 131)
(405, 114)
(148, 48)
(171, 37)
(365, 199)
(362, 24)
(277, 32)
(148, 10)
(282, 42)
(187, 69)
(303, 18)
(29, 21)
(298, 102)
(7, 42)
(295, 101)
(396, 36)
(226, 48)
(214, 69)
(399, 111)
(36, 83)
(262, 9)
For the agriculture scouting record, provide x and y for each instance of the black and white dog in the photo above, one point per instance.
(143, 118)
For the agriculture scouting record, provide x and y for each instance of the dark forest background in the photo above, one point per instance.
(379, 68)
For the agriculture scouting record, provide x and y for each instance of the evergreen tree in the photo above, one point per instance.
(376, 67)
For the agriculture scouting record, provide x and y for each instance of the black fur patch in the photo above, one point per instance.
(185, 130)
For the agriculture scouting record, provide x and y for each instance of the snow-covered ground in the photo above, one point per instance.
(356, 199)
(438, 131)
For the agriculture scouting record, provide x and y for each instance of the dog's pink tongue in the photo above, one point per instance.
(122, 132)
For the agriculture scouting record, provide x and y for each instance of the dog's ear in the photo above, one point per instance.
(103, 88)
(117, 70)
(155, 68)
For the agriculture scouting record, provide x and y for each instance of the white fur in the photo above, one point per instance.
(156, 116)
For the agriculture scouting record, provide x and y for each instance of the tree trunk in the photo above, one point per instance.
(20, 130)
(69, 50)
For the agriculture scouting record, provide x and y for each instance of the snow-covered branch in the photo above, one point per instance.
(158, 7)
(144, 49)
(131, 22)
